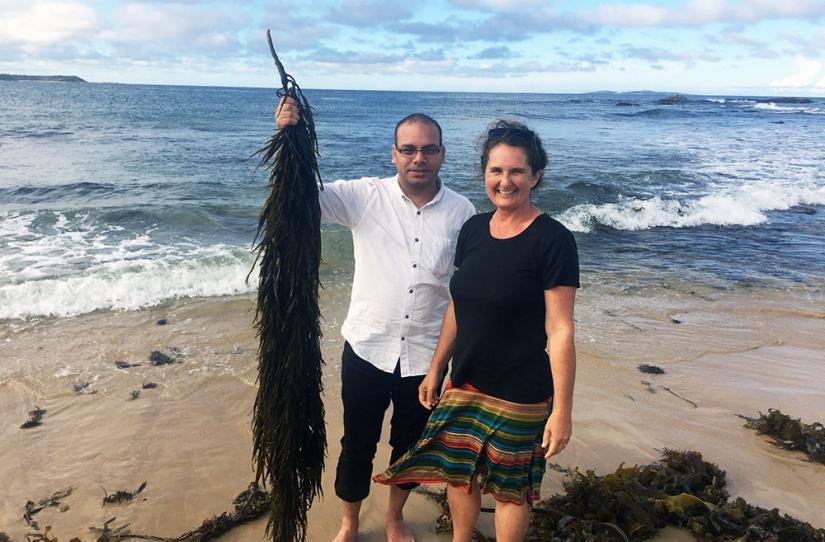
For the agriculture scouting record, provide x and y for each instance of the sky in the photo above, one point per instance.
(724, 47)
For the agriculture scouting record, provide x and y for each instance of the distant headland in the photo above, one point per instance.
(61, 78)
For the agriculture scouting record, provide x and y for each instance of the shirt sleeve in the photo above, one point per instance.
(344, 202)
(561, 262)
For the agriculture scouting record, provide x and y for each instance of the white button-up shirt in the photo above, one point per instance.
(403, 263)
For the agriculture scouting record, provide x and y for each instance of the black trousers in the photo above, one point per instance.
(366, 392)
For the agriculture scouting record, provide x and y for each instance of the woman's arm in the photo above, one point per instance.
(430, 386)
(558, 304)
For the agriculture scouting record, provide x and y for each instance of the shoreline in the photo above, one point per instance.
(731, 352)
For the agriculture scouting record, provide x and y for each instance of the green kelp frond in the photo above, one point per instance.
(791, 434)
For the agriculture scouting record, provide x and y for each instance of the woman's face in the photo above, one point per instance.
(508, 178)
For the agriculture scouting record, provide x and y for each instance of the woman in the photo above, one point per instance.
(514, 287)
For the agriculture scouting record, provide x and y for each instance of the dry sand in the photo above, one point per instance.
(733, 352)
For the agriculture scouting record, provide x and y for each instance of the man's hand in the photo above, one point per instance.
(557, 432)
(428, 389)
(286, 114)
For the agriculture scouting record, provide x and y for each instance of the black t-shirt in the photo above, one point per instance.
(498, 295)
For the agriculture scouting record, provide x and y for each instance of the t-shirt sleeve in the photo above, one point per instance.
(460, 245)
(561, 262)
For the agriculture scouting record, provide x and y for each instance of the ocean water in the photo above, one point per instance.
(127, 196)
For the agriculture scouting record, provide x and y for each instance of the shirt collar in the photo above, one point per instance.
(438, 195)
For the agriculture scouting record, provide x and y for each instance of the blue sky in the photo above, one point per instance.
(762, 47)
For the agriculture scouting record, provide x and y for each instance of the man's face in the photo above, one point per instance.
(418, 155)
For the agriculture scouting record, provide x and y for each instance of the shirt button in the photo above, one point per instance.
(416, 239)
(411, 291)
(406, 316)
(402, 338)
(418, 212)
(415, 265)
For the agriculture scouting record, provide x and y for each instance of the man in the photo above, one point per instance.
(404, 230)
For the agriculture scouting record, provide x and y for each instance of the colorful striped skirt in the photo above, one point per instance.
(472, 434)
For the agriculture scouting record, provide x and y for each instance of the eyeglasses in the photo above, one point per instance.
(429, 151)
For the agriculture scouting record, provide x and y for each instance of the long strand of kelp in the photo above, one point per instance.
(289, 436)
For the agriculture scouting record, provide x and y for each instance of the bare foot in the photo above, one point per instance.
(397, 531)
(346, 534)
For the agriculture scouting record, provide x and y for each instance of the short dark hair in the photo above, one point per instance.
(420, 118)
(514, 134)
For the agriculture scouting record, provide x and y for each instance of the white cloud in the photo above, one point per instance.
(497, 4)
(753, 10)
(701, 12)
(36, 24)
(808, 73)
(139, 22)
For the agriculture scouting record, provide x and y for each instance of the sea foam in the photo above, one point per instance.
(744, 206)
(63, 264)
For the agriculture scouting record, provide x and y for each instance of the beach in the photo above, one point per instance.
(127, 217)
(734, 351)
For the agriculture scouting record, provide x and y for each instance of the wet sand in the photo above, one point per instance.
(732, 352)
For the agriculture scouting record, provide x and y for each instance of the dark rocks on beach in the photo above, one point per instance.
(125, 365)
(675, 321)
(149, 385)
(4, 537)
(134, 394)
(162, 322)
(35, 418)
(651, 369)
(672, 100)
(785, 100)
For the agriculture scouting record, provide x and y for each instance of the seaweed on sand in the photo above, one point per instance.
(791, 434)
(121, 496)
(289, 436)
(55, 500)
(682, 490)
(634, 503)
(35, 418)
(651, 369)
(250, 505)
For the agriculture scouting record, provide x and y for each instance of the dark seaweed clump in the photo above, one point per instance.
(35, 418)
(157, 357)
(54, 500)
(289, 435)
(651, 369)
(635, 503)
(249, 505)
(791, 434)
(122, 496)
(682, 490)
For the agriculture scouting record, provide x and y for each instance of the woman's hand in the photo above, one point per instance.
(286, 114)
(429, 388)
(557, 432)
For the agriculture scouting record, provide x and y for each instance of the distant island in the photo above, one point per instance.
(62, 78)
